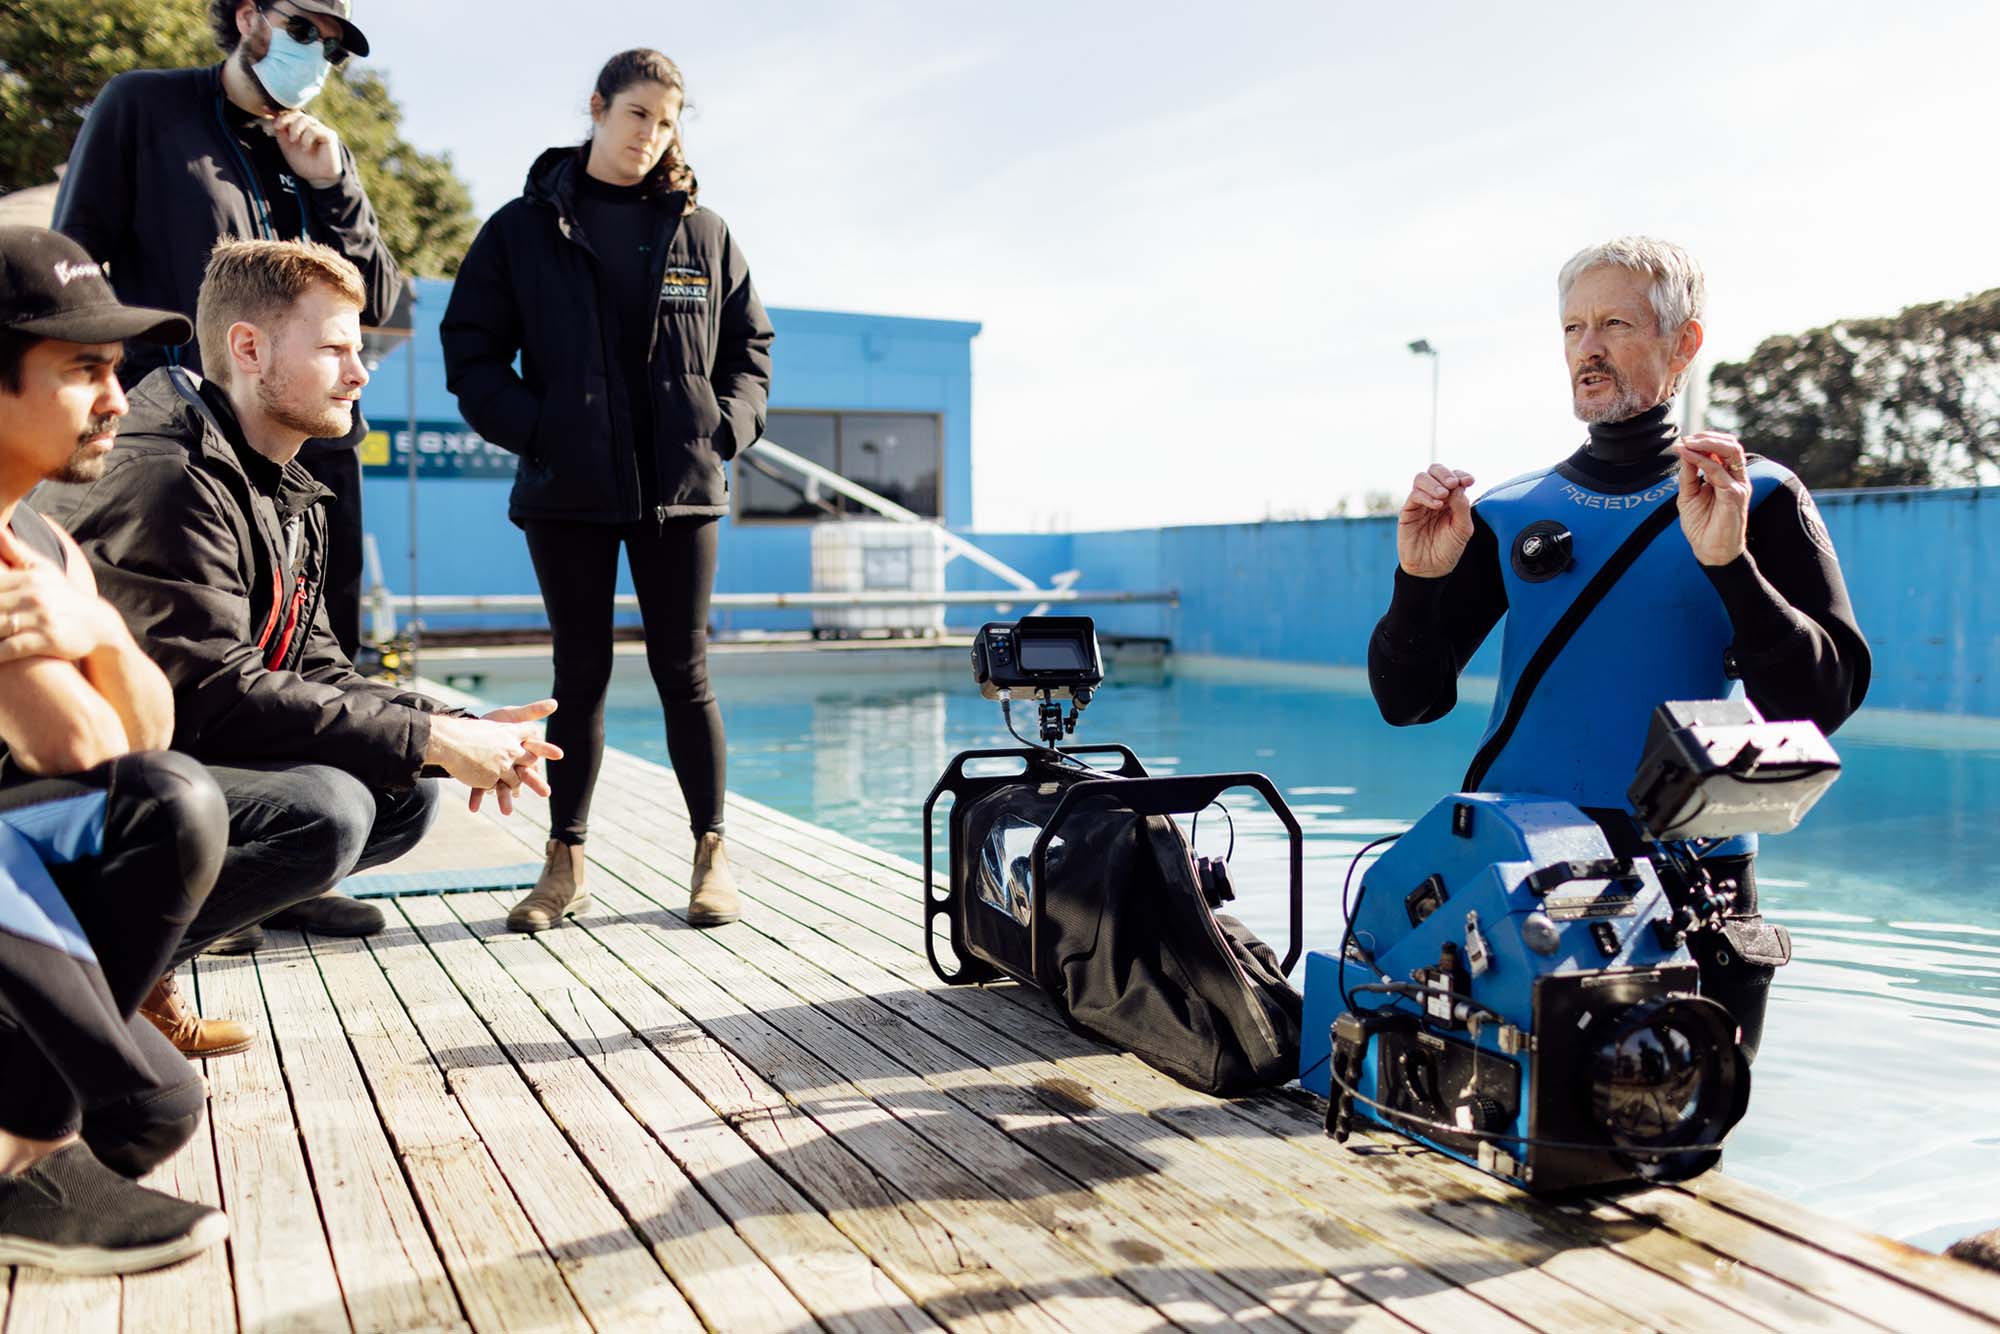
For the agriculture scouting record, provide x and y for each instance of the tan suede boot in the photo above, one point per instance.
(712, 900)
(557, 894)
(193, 1036)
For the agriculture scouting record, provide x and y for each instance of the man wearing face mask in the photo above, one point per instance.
(171, 161)
(1732, 577)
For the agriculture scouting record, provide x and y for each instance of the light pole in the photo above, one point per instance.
(1422, 347)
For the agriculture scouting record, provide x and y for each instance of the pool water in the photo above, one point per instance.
(1877, 1091)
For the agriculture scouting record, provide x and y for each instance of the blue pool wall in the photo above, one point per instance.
(1923, 567)
(1922, 570)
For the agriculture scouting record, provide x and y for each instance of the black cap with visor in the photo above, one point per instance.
(51, 288)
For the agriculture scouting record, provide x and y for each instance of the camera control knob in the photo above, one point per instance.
(1482, 1114)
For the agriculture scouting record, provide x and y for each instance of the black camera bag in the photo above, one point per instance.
(1132, 950)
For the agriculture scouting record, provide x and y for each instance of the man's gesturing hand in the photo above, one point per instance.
(1435, 523)
(1715, 496)
(498, 753)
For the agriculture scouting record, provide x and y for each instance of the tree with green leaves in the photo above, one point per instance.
(56, 54)
(1905, 400)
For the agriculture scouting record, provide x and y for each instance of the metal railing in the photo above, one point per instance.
(384, 605)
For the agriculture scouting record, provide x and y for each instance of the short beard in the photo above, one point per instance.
(1625, 404)
(246, 54)
(81, 468)
(87, 464)
(330, 422)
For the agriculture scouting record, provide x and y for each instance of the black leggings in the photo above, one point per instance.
(673, 572)
(132, 847)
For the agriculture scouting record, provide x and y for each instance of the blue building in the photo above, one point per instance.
(883, 400)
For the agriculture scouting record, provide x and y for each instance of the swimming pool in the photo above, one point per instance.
(1877, 1094)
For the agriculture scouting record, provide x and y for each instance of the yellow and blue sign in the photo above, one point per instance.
(443, 449)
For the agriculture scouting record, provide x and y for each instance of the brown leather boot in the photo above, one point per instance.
(194, 1037)
(557, 894)
(712, 899)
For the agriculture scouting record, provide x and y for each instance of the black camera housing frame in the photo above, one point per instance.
(1128, 786)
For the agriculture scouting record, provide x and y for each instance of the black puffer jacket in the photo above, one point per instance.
(528, 286)
(220, 575)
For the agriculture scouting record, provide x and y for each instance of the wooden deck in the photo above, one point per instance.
(787, 1123)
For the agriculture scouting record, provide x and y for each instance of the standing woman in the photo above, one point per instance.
(645, 362)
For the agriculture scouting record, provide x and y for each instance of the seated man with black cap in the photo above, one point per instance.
(1748, 588)
(108, 843)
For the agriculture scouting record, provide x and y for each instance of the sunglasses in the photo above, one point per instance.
(303, 30)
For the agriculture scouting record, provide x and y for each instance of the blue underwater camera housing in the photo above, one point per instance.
(1516, 986)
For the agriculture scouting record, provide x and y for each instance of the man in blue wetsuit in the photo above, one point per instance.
(1744, 587)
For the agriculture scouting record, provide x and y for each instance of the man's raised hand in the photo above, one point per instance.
(1435, 522)
(310, 146)
(1715, 496)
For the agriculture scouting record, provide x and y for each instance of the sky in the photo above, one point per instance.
(1200, 237)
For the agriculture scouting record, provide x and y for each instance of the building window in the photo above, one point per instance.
(897, 455)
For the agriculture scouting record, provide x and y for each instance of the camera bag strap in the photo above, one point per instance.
(1560, 634)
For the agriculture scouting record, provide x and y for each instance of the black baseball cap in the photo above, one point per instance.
(350, 36)
(52, 288)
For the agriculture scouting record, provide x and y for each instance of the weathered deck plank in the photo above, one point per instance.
(47, 1303)
(833, 1277)
(1175, 1213)
(981, 1211)
(725, 1279)
(609, 1269)
(1468, 1259)
(919, 1251)
(194, 1297)
(390, 1272)
(859, 879)
(279, 1254)
(789, 1124)
(504, 1277)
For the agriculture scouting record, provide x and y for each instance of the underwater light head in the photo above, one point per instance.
(1716, 769)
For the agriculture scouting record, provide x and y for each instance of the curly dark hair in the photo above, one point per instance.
(222, 22)
(644, 66)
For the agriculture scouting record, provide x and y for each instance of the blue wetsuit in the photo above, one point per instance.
(1776, 619)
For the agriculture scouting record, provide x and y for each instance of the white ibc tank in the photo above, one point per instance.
(870, 557)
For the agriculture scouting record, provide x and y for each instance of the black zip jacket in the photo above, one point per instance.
(528, 287)
(216, 557)
(156, 179)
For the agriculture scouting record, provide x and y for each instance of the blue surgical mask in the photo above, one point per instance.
(292, 72)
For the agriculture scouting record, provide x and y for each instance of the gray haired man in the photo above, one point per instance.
(1747, 589)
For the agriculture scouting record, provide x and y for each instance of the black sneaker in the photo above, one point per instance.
(72, 1214)
(243, 940)
(331, 914)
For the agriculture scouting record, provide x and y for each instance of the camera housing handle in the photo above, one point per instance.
(1046, 763)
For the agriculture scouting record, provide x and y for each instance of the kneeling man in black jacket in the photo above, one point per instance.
(209, 536)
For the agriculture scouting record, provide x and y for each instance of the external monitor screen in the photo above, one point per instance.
(1053, 655)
